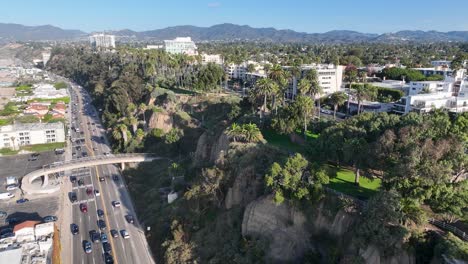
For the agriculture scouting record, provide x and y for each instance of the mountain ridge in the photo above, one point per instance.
(232, 32)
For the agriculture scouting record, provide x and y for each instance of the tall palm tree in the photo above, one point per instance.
(312, 88)
(337, 99)
(134, 123)
(278, 75)
(306, 105)
(363, 92)
(265, 87)
(304, 86)
(123, 130)
(252, 133)
(142, 109)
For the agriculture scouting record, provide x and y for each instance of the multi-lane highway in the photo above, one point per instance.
(88, 138)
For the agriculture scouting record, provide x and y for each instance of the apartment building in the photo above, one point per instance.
(429, 87)
(212, 58)
(16, 135)
(330, 78)
(102, 41)
(446, 72)
(180, 45)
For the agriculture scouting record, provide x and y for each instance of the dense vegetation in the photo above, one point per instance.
(419, 159)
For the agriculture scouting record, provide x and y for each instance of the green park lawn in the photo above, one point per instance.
(284, 142)
(44, 147)
(344, 182)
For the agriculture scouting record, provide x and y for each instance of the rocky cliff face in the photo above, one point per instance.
(211, 148)
(161, 120)
(291, 234)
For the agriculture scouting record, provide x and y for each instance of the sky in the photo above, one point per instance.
(312, 16)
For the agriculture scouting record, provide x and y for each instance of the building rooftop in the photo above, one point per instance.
(31, 126)
(25, 224)
(11, 256)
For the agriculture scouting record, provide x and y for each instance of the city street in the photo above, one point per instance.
(89, 139)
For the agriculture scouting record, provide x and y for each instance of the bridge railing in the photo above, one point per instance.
(445, 226)
(94, 158)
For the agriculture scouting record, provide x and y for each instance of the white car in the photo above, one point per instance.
(116, 203)
(124, 233)
(97, 193)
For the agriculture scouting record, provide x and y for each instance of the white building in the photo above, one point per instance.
(180, 45)
(392, 84)
(235, 71)
(151, 47)
(43, 91)
(16, 135)
(441, 63)
(330, 78)
(102, 41)
(212, 58)
(446, 72)
(429, 87)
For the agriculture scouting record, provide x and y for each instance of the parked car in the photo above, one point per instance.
(50, 218)
(80, 182)
(22, 200)
(74, 229)
(73, 179)
(87, 246)
(89, 191)
(124, 233)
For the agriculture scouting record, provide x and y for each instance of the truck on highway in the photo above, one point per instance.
(6, 196)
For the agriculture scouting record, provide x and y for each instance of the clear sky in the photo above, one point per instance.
(373, 16)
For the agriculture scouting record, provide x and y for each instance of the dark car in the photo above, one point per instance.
(22, 200)
(101, 224)
(100, 212)
(73, 197)
(74, 229)
(87, 246)
(129, 218)
(84, 154)
(50, 218)
(80, 182)
(101, 179)
(115, 177)
(83, 208)
(103, 237)
(89, 191)
(114, 233)
(107, 247)
(108, 259)
(94, 236)
(73, 179)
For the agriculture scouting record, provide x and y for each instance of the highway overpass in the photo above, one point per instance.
(27, 182)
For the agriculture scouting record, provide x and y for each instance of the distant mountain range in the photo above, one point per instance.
(232, 32)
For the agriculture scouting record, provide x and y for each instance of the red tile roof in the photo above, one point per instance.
(25, 224)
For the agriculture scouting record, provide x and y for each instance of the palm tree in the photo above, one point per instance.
(265, 87)
(13, 141)
(134, 123)
(337, 99)
(235, 132)
(252, 133)
(278, 75)
(123, 130)
(306, 105)
(142, 109)
(311, 86)
(363, 92)
(304, 86)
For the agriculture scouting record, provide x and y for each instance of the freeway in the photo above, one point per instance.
(89, 140)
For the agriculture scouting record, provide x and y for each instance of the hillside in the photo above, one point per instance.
(232, 32)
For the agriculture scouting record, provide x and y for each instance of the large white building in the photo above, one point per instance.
(446, 72)
(330, 78)
(180, 45)
(102, 41)
(429, 87)
(212, 58)
(18, 134)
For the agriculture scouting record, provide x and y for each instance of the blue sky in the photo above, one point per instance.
(376, 16)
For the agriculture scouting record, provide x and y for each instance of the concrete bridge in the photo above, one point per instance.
(28, 187)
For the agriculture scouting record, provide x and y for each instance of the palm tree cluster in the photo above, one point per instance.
(248, 133)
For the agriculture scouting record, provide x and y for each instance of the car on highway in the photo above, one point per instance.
(114, 233)
(106, 153)
(106, 247)
(94, 235)
(101, 224)
(103, 237)
(95, 149)
(22, 200)
(124, 233)
(97, 193)
(89, 191)
(74, 229)
(116, 203)
(50, 218)
(83, 208)
(129, 219)
(100, 212)
(108, 259)
(73, 197)
(87, 246)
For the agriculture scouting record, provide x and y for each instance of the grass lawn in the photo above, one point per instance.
(44, 147)
(344, 182)
(8, 151)
(4, 122)
(56, 100)
(281, 141)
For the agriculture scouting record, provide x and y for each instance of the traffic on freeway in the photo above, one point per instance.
(103, 226)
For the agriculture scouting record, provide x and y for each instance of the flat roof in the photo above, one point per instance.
(11, 256)
(31, 126)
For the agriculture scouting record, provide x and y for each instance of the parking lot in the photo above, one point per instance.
(34, 209)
